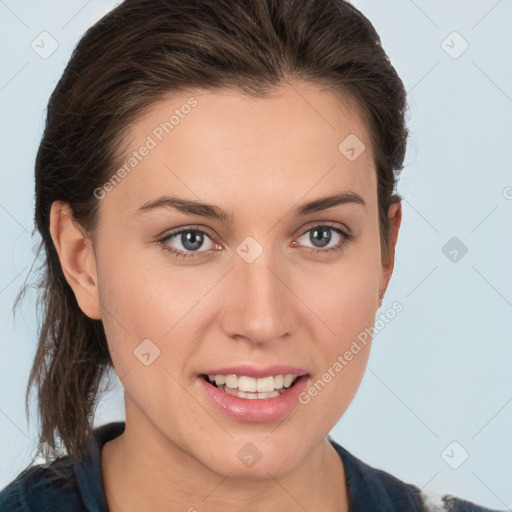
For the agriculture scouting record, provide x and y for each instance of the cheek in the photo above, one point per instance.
(141, 292)
(344, 298)
(343, 343)
(348, 310)
(142, 325)
(345, 294)
(146, 298)
(131, 302)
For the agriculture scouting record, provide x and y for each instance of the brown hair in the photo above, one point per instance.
(137, 54)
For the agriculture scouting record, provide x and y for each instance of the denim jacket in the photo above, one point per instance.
(68, 486)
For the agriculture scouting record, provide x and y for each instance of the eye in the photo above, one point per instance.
(321, 236)
(190, 240)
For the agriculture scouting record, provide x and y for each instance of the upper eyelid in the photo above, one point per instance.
(308, 227)
(325, 223)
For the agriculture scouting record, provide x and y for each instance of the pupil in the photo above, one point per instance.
(324, 236)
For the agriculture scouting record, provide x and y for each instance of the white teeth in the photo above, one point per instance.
(288, 379)
(269, 395)
(265, 384)
(278, 381)
(231, 381)
(219, 379)
(250, 396)
(247, 384)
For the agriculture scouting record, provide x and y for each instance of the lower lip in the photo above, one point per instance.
(257, 410)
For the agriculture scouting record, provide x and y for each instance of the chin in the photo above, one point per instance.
(255, 460)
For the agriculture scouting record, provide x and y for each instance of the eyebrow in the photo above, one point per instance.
(193, 207)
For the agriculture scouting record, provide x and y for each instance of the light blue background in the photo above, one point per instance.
(441, 370)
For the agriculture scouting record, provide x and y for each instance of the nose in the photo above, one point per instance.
(258, 304)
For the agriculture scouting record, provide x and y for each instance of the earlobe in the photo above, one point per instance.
(77, 258)
(395, 220)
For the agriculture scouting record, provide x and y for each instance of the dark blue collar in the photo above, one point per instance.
(88, 472)
(371, 489)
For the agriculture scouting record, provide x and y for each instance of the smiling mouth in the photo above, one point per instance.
(235, 391)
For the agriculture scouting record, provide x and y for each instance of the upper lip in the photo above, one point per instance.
(255, 372)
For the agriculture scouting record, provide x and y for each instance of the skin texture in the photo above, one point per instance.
(257, 158)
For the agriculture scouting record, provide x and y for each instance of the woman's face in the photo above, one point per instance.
(270, 283)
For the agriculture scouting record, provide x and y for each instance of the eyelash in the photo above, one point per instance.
(345, 238)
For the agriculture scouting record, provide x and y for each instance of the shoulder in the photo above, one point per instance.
(433, 501)
(65, 484)
(445, 502)
(43, 488)
(375, 489)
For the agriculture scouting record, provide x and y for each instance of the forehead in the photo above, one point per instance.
(200, 142)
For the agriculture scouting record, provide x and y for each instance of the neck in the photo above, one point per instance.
(144, 470)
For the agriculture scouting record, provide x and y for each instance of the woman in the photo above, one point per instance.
(215, 190)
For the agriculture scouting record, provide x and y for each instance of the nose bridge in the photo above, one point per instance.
(258, 305)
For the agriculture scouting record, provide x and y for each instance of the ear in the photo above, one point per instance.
(395, 219)
(77, 258)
